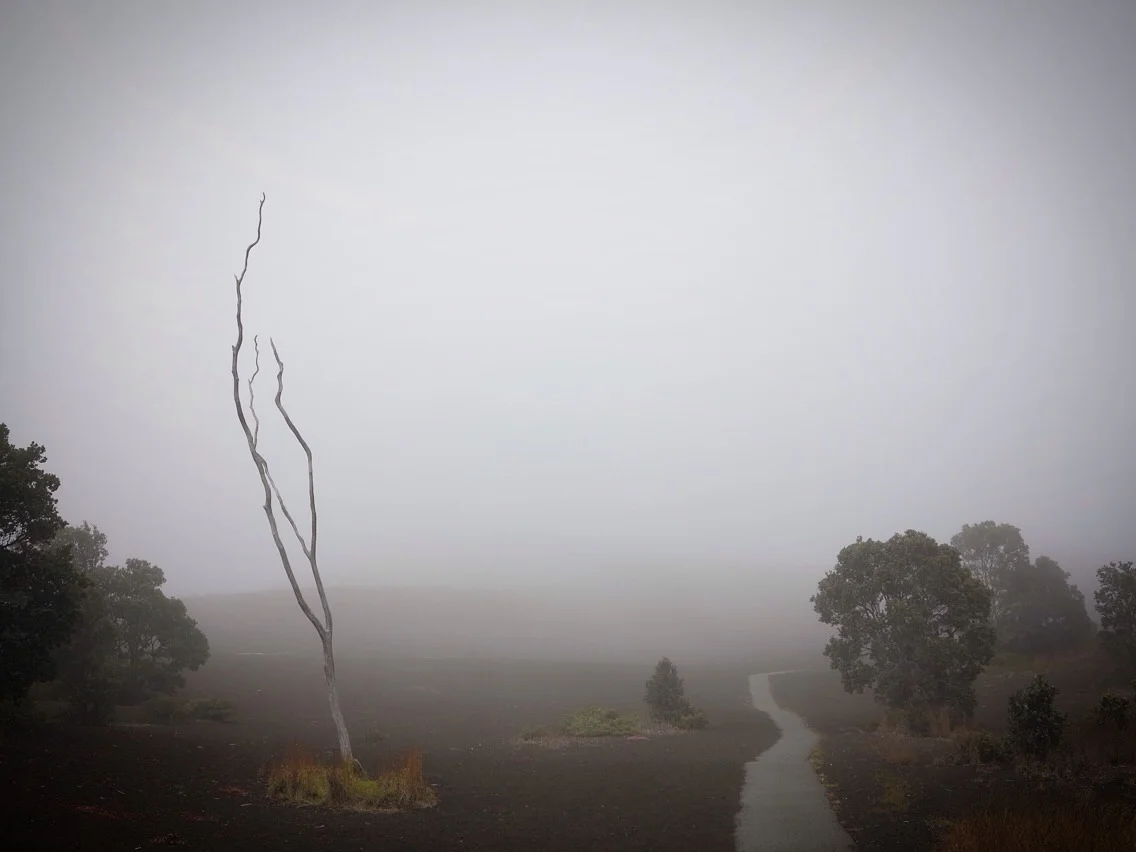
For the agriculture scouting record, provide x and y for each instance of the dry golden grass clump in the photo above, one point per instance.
(1046, 827)
(303, 780)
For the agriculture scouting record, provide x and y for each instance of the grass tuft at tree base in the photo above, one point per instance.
(303, 780)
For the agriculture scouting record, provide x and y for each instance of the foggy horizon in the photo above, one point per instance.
(667, 296)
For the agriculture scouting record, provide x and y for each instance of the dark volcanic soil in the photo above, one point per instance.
(197, 785)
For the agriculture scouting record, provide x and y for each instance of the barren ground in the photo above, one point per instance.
(198, 785)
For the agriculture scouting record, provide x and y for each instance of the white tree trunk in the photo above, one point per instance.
(333, 699)
(323, 628)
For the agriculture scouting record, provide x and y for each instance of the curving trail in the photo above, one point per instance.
(783, 804)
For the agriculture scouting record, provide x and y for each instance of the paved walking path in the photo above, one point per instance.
(784, 806)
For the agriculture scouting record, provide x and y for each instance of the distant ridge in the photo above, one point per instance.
(529, 624)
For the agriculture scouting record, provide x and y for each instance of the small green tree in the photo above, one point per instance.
(1035, 726)
(1116, 604)
(40, 592)
(666, 696)
(912, 624)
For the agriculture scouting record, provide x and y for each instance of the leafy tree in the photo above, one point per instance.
(1116, 604)
(156, 637)
(39, 590)
(1035, 726)
(1043, 611)
(89, 669)
(992, 552)
(912, 624)
(132, 641)
(88, 546)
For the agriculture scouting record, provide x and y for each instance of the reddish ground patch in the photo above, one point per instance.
(199, 785)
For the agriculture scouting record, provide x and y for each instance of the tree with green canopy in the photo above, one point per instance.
(993, 552)
(1043, 612)
(1116, 604)
(912, 624)
(40, 591)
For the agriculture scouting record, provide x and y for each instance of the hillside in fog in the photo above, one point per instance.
(625, 623)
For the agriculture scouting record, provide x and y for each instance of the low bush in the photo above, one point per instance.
(600, 722)
(210, 709)
(163, 710)
(302, 780)
(1035, 726)
(1045, 827)
(667, 702)
(981, 747)
(1112, 710)
(537, 732)
(173, 710)
(691, 719)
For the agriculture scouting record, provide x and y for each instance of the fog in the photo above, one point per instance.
(604, 300)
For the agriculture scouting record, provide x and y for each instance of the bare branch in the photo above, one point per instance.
(323, 630)
(252, 393)
(258, 459)
(267, 469)
(310, 553)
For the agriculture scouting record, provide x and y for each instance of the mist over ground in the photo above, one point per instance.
(578, 307)
(620, 626)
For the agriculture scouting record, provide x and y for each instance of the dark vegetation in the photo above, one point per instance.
(1005, 723)
(666, 698)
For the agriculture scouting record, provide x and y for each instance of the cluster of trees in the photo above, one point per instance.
(1033, 607)
(105, 634)
(916, 620)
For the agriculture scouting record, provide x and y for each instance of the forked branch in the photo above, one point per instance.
(252, 438)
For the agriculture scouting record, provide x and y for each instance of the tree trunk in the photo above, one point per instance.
(323, 628)
(333, 699)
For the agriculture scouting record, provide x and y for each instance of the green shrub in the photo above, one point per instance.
(667, 701)
(666, 696)
(210, 709)
(1035, 726)
(163, 710)
(599, 722)
(692, 719)
(174, 710)
(1112, 710)
(536, 732)
(975, 747)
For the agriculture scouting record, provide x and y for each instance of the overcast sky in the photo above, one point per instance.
(575, 293)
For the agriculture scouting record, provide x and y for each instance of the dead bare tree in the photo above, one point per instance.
(271, 493)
